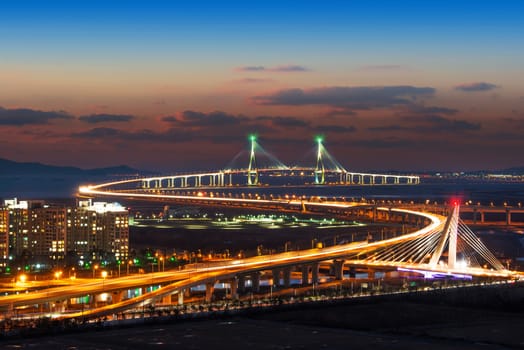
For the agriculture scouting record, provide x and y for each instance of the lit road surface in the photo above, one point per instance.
(175, 281)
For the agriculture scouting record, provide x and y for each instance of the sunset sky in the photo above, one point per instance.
(169, 85)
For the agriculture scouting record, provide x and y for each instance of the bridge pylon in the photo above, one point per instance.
(449, 236)
(320, 170)
(252, 171)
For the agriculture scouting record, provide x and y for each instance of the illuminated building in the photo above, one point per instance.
(98, 229)
(32, 232)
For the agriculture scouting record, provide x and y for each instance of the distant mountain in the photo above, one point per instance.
(36, 180)
(514, 170)
(9, 167)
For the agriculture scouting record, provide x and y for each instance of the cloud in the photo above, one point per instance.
(26, 116)
(170, 135)
(418, 109)
(430, 123)
(250, 69)
(340, 112)
(286, 122)
(286, 68)
(201, 119)
(335, 128)
(105, 118)
(358, 98)
(474, 87)
(289, 68)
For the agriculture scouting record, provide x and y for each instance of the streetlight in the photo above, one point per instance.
(95, 267)
(129, 263)
(163, 266)
(104, 275)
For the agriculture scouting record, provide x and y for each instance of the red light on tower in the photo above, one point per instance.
(455, 201)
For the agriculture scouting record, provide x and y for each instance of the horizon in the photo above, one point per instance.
(168, 86)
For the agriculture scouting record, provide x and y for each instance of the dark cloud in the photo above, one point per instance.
(334, 112)
(358, 98)
(171, 135)
(105, 118)
(286, 122)
(473, 87)
(250, 69)
(201, 119)
(418, 109)
(391, 127)
(26, 116)
(335, 128)
(288, 68)
(429, 123)
(278, 69)
(388, 142)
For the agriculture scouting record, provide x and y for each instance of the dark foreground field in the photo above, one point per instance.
(383, 325)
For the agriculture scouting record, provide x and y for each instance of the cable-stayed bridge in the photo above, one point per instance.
(264, 169)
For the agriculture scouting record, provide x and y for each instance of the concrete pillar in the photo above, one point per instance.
(482, 216)
(305, 275)
(474, 216)
(117, 297)
(210, 288)
(234, 288)
(180, 297)
(314, 272)
(287, 277)
(241, 284)
(508, 216)
(166, 299)
(276, 277)
(371, 273)
(338, 267)
(255, 281)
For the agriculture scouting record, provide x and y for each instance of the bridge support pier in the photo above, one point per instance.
(180, 297)
(255, 282)
(305, 275)
(166, 299)
(233, 284)
(508, 217)
(117, 297)
(287, 276)
(241, 283)
(314, 273)
(338, 269)
(210, 288)
(276, 277)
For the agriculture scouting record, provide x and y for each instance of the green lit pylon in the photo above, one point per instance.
(320, 171)
(252, 171)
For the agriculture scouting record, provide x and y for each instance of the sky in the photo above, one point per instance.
(173, 85)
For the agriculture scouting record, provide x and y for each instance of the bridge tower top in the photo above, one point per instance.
(320, 171)
(252, 172)
(449, 237)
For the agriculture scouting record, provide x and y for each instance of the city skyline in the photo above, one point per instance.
(171, 86)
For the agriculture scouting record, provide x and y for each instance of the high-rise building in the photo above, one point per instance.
(34, 232)
(97, 229)
(47, 238)
(4, 236)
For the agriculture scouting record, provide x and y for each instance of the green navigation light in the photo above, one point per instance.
(319, 139)
(252, 137)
